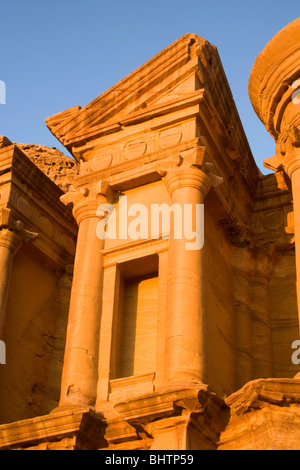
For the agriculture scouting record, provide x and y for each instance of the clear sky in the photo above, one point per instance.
(61, 53)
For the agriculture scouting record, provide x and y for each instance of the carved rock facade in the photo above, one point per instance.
(137, 342)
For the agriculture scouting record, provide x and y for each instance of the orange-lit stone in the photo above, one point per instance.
(134, 341)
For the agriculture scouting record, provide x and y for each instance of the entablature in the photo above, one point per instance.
(33, 199)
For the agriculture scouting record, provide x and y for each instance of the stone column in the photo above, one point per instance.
(186, 360)
(291, 165)
(288, 158)
(11, 236)
(9, 242)
(274, 89)
(79, 376)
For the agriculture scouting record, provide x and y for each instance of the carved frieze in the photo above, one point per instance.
(170, 137)
(144, 148)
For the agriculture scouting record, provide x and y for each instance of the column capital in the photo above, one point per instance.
(292, 162)
(288, 162)
(12, 232)
(9, 239)
(187, 177)
(85, 201)
(287, 155)
(188, 170)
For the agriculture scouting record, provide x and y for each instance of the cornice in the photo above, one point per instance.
(181, 95)
(130, 89)
(86, 426)
(33, 199)
(149, 93)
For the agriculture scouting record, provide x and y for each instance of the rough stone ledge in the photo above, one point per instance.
(168, 401)
(190, 416)
(264, 415)
(263, 392)
(83, 426)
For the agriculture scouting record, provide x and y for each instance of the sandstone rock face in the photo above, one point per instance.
(264, 415)
(130, 338)
(59, 168)
(37, 245)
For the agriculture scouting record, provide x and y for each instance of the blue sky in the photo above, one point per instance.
(61, 53)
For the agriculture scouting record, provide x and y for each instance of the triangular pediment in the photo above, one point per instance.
(184, 81)
(167, 77)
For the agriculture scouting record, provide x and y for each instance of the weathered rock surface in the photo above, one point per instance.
(264, 415)
(150, 344)
(57, 166)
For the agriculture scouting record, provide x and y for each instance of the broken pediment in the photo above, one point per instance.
(167, 76)
(185, 74)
